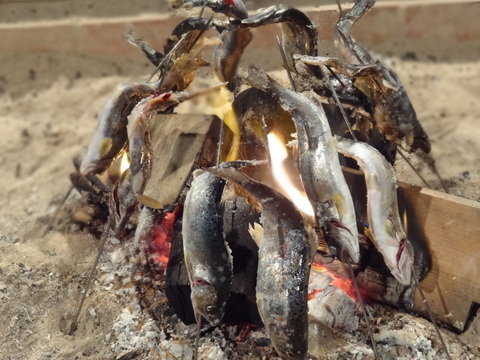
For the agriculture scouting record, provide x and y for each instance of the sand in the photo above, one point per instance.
(41, 278)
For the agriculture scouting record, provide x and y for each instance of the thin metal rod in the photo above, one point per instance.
(364, 312)
(54, 218)
(198, 319)
(284, 58)
(90, 276)
(413, 168)
(337, 101)
(334, 74)
(435, 171)
(220, 142)
(203, 8)
(427, 307)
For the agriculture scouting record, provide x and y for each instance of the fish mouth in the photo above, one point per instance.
(404, 259)
(205, 300)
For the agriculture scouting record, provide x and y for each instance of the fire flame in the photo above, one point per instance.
(278, 153)
(125, 163)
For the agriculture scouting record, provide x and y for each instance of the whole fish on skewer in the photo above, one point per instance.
(319, 166)
(285, 255)
(138, 137)
(299, 35)
(110, 136)
(385, 226)
(207, 256)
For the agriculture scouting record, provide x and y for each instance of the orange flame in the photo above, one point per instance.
(278, 153)
(125, 164)
(345, 285)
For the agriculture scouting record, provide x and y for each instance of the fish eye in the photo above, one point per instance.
(211, 309)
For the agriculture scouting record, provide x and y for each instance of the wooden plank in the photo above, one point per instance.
(451, 227)
(180, 144)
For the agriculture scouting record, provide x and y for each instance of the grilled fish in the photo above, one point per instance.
(319, 166)
(207, 257)
(284, 266)
(384, 221)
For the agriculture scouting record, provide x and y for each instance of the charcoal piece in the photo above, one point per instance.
(178, 287)
(241, 305)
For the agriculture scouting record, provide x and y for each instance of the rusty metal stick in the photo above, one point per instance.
(413, 168)
(430, 314)
(90, 276)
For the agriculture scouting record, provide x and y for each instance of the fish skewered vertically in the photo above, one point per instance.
(285, 255)
(207, 257)
(319, 167)
(385, 227)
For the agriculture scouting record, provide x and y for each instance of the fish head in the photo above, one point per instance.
(341, 242)
(404, 262)
(397, 251)
(208, 302)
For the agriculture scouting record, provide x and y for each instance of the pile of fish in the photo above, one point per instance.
(353, 106)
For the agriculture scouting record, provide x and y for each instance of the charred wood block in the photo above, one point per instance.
(238, 214)
(178, 287)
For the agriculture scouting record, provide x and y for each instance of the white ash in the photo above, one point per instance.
(402, 336)
(331, 306)
(133, 330)
(353, 351)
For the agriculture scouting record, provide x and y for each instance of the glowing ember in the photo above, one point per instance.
(278, 153)
(313, 293)
(345, 285)
(161, 237)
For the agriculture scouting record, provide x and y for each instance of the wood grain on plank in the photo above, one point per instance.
(451, 227)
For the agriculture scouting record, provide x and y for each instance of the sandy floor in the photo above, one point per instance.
(41, 278)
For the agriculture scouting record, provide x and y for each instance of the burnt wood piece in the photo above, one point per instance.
(237, 216)
(178, 287)
(181, 144)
